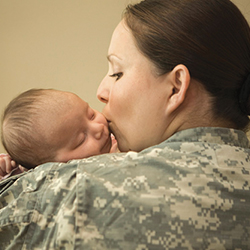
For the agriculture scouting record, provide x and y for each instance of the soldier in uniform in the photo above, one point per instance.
(176, 98)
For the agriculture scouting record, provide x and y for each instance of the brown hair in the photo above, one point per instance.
(210, 37)
(21, 135)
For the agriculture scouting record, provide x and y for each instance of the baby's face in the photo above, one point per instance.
(80, 131)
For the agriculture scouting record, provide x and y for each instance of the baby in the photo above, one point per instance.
(47, 125)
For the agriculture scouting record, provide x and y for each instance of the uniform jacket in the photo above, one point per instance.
(192, 191)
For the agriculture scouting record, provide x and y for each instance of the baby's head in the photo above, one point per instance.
(46, 125)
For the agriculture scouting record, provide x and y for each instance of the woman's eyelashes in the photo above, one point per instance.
(117, 75)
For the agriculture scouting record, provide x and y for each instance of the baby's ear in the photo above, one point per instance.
(179, 81)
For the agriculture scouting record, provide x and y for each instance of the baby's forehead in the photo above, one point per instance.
(63, 99)
(61, 104)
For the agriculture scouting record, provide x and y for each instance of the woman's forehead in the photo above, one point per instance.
(122, 37)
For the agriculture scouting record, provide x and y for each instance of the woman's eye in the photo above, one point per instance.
(117, 75)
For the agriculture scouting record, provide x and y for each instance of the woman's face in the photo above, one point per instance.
(134, 95)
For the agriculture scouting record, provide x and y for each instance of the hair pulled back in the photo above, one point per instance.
(210, 37)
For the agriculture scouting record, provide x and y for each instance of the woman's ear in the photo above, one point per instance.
(179, 82)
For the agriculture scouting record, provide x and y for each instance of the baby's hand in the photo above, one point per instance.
(114, 147)
(7, 165)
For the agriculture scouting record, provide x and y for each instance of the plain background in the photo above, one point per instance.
(59, 44)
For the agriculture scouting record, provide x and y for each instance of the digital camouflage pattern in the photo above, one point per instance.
(189, 192)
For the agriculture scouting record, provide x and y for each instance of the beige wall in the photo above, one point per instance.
(59, 44)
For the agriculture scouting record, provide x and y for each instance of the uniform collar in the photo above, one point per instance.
(216, 135)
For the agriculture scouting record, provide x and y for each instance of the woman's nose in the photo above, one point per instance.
(103, 91)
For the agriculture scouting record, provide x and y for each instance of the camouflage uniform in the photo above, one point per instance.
(189, 192)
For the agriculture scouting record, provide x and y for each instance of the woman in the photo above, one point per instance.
(177, 92)
(206, 62)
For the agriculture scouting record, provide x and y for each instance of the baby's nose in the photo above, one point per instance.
(98, 130)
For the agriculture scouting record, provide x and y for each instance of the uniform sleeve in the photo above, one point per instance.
(37, 211)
